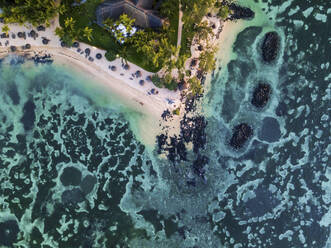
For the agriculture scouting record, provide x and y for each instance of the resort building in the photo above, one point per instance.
(140, 10)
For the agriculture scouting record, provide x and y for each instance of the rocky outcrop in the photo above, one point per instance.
(8, 233)
(241, 133)
(239, 12)
(270, 46)
(261, 95)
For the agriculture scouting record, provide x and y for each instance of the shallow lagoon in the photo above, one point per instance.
(72, 173)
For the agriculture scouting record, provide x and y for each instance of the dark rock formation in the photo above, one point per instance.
(239, 12)
(72, 197)
(241, 133)
(199, 165)
(281, 109)
(166, 114)
(29, 115)
(270, 46)
(161, 142)
(8, 233)
(270, 130)
(88, 183)
(45, 59)
(71, 176)
(13, 94)
(261, 95)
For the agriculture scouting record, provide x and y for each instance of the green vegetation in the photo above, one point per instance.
(207, 60)
(110, 56)
(5, 29)
(223, 8)
(150, 49)
(176, 111)
(35, 12)
(193, 12)
(195, 85)
(165, 82)
(147, 58)
(113, 27)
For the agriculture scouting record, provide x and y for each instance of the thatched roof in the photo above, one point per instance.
(137, 9)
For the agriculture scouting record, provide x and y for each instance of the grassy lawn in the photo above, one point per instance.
(84, 15)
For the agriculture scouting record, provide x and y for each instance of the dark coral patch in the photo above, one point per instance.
(8, 232)
(88, 183)
(71, 176)
(241, 133)
(270, 46)
(261, 95)
(72, 197)
(29, 115)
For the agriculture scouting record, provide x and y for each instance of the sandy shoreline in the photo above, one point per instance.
(121, 83)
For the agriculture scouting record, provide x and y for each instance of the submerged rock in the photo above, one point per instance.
(270, 46)
(13, 94)
(199, 165)
(88, 183)
(73, 196)
(71, 176)
(8, 233)
(281, 109)
(261, 95)
(241, 133)
(270, 130)
(239, 12)
(29, 115)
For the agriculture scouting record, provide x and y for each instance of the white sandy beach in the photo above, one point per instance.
(122, 83)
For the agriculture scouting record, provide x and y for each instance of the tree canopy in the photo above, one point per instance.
(35, 12)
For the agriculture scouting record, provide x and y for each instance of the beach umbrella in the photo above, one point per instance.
(33, 33)
(141, 82)
(75, 44)
(193, 62)
(126, 67)
(113, 68)
(149, 78)
(138, 73)
(45, 41)
(98, 56)
(87, 51)
(41, 28)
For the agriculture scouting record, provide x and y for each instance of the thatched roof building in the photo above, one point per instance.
(140, 10)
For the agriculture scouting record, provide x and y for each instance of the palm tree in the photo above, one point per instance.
(6, 29)
(87, 33)
(69, 23)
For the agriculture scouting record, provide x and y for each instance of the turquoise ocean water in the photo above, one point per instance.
(72, 173)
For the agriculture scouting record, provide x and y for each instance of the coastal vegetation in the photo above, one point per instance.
(155, 50)
(34, 12)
